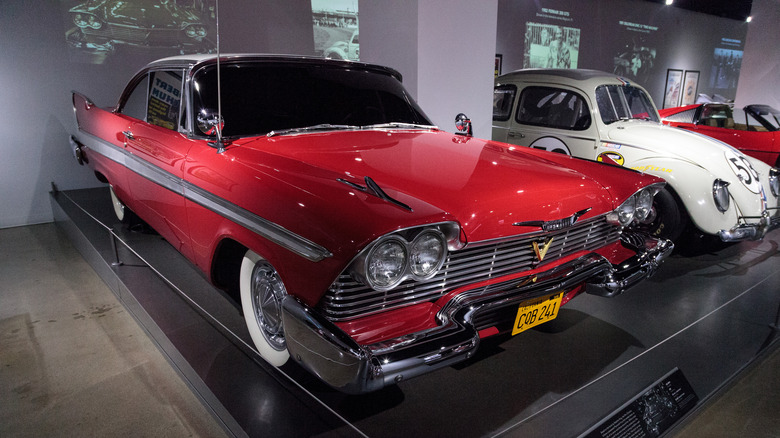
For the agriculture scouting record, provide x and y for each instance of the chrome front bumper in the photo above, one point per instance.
(750, 231)
(326, 351)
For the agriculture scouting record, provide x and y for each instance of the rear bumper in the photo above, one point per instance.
(329, 353)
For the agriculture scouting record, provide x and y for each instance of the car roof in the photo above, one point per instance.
(584, 78)
(196, 60)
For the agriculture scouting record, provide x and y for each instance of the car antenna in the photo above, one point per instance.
(220, 144)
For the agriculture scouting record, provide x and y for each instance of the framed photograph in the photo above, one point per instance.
(497, 67)
(690, 87)
(672, 90)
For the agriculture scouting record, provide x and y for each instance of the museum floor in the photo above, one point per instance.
(74, 362)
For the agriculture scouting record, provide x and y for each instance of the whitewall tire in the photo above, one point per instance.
(262, 292)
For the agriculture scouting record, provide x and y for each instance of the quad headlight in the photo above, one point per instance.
(774, 181)
(87, 20)
(417, 253)
(637, 207)
(386, 264)
(720, 193)
(195, 31)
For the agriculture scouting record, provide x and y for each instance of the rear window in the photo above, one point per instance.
(554, 108)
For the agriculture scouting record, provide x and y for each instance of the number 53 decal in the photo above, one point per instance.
(744, 171)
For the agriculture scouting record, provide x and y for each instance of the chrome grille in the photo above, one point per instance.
(347, 298)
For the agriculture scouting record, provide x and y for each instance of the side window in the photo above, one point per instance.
(683, 116)
(165, 93)
(503, 100)
(135, 105)
(554, 108)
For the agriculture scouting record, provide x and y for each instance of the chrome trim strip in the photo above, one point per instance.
(271, 231)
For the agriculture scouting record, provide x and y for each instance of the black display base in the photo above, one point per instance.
(707, 315)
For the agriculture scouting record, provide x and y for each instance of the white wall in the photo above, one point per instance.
(456, 53)
(760, 75)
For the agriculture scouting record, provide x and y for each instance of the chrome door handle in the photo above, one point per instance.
(516, 134)
(128, 135)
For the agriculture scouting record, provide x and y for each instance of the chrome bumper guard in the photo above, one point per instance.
(326, 351)
(750, 231)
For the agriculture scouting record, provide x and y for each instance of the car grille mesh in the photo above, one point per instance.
(347, 299)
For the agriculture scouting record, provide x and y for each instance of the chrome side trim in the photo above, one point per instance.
(271, 231)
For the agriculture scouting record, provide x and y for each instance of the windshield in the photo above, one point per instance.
(624, 102)
(767, 115)
(263, 97)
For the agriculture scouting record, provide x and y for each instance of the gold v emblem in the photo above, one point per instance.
(541, 252)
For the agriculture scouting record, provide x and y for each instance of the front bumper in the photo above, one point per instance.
(326, 351)
(755, 231)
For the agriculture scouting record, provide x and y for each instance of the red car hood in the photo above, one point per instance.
(484, 186)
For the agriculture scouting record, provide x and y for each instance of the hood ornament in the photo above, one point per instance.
(554, 225)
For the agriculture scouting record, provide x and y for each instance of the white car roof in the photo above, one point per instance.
(581, 78)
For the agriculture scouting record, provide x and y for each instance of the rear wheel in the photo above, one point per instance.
(668, 219)
(262, 292)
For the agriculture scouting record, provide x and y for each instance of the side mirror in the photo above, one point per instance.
(463, 125)
(209, 122)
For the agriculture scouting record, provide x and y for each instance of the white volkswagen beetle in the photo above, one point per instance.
(599, 116)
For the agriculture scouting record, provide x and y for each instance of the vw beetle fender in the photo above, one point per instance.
(693, 185)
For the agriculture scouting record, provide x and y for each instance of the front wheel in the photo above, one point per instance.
(262, 292)
(668, 219)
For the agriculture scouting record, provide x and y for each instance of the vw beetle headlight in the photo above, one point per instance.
(426, 254)
(774, 181)
(720, 193)
(386, 263)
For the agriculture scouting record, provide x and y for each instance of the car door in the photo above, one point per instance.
(553, 118)
(157, 149)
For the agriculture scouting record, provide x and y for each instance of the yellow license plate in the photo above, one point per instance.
(537, 311)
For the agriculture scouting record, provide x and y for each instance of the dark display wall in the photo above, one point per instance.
(635, 39)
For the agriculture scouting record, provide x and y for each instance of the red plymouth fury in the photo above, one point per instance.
(361, 241)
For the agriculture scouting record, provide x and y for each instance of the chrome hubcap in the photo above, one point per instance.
(267, 294)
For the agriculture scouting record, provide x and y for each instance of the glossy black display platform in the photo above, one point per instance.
(707, 315)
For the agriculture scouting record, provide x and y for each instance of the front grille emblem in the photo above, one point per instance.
(541, 252)
(554, 225)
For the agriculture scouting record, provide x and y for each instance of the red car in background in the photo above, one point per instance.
(361, 241)
(755, 130)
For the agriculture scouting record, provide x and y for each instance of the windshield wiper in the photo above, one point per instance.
(402, 125)
(315, 128)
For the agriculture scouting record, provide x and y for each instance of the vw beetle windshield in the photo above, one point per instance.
(261, 97)
(624, 102)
